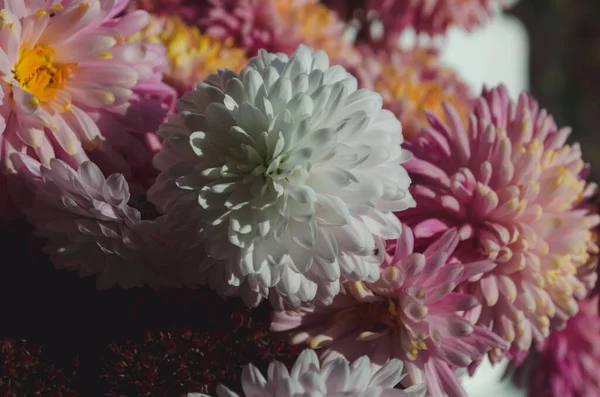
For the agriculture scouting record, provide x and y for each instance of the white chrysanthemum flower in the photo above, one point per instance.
(289, 174)
(335, 378)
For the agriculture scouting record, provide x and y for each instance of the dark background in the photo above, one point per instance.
(565, 66)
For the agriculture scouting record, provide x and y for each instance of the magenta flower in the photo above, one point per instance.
(432, 17)
(90, 227)
(568, 360)
(72, 84)
(515, 191)
(411, 314)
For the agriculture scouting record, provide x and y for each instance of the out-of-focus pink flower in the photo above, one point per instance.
(71, 84)
(410, 313)
(189, 10)
(278, 26)
(567, 362)
(192, 56)
(516, 192)
(412, 81)
(90, 227)
(432, 17)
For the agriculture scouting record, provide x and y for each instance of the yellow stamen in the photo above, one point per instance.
(39, 75)
(192, 56)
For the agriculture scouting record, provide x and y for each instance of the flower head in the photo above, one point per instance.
(192, 56)
(286, 174)
(567, 361)
(431, 17)
(89, 226)
(412, 81)
(68, 78)
(410, 313)
(516, 192)
(278, 26)
(337, 377)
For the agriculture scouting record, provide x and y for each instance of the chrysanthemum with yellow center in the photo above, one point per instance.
(39, 75)
(192, 56)
(414, 81)
(63, 68)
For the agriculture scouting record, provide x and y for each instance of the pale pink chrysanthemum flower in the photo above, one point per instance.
(411, 314)
(90, 227)
(308, 376)
(71, 84)
(516, 192)
(566, 363)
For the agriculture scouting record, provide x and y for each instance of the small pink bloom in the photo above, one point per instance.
(411, 313)
(567, 362)
(516, 192)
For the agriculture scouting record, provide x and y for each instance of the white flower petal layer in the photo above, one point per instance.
(335, 378)
(289, 176)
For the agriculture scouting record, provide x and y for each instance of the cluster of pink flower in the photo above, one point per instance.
(373, 202)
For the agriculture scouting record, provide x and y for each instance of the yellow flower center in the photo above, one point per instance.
(303, 19)
(416, 94)
(192, 56)
(39, 75)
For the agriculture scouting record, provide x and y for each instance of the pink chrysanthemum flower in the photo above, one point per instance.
(567, 362)
(278, 26)
(412, 81)
(89, 225)
(515, 191)
(411, 314)
(71, 83)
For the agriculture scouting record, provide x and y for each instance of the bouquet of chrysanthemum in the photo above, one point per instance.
(372, 228)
